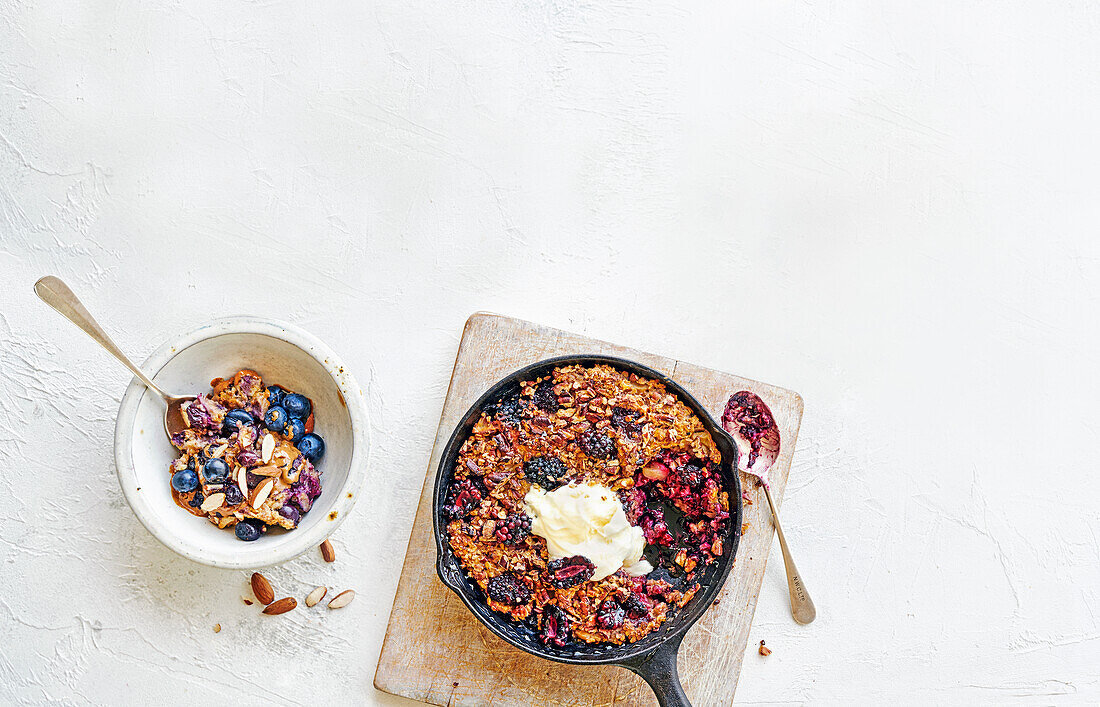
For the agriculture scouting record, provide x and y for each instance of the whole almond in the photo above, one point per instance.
(342, 599)
(213, 502)
(261, 492)
(328, 551)
(316, 596)
(281, 607)
(262, 588)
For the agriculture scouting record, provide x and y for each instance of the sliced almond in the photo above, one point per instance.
(262, 588)
(328, 551)
(342, 599)
(220, 450)
(242, 481)
(244, 437)
(266, 471)
(267, 448)
(316, 596)
(280, 607)
(261, 492)
(213, 502)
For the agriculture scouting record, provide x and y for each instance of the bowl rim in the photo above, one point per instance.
(297, 542)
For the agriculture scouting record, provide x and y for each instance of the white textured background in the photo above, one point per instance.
(894, 213)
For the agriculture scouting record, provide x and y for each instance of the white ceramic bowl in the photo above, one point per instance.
(284, 355)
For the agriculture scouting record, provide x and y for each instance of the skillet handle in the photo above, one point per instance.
(659, 670)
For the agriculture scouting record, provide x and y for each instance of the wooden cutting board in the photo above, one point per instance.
(435, 651)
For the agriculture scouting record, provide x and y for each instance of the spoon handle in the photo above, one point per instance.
(57, 294)
(802, 607)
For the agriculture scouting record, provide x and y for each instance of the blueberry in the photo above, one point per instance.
(249, 530)
(297, 405)
(290, 513)
(312, 446)
(236, 418)
(275, 394)
(185, 480)
(295, 428)
(275, 418)
(215, 470)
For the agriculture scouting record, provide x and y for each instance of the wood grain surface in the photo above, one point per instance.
(435, 651)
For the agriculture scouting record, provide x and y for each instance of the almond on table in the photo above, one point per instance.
(262, 588)
(316, 596)
(281, 606)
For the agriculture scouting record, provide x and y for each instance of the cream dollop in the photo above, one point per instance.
(587, 520)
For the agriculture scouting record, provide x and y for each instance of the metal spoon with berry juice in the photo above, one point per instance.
(752, 426)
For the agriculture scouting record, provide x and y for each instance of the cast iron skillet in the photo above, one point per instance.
(653, 657)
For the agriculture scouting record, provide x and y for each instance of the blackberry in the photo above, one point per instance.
(570, 571)
(611, 615)
(635, 606)
(626, 420)
(233, 494)
(597, 445)
(547, 472)
(514, 529)
(507, 410)
(545, 397)
(508, 589)
(465, 497)
(691, 474)
(555, 627)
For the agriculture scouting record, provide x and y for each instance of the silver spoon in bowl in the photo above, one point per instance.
(752, 426)
(57, 294)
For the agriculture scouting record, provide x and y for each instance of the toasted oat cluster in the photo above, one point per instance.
(248, 457)
(597, 425)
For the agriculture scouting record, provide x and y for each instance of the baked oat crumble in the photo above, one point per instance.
(601, 426)
(247, 458)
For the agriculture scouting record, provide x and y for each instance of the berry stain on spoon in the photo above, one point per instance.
(752, 426)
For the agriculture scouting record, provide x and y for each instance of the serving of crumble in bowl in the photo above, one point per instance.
(275, 453)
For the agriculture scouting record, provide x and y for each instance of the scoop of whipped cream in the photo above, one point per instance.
(588, 520)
